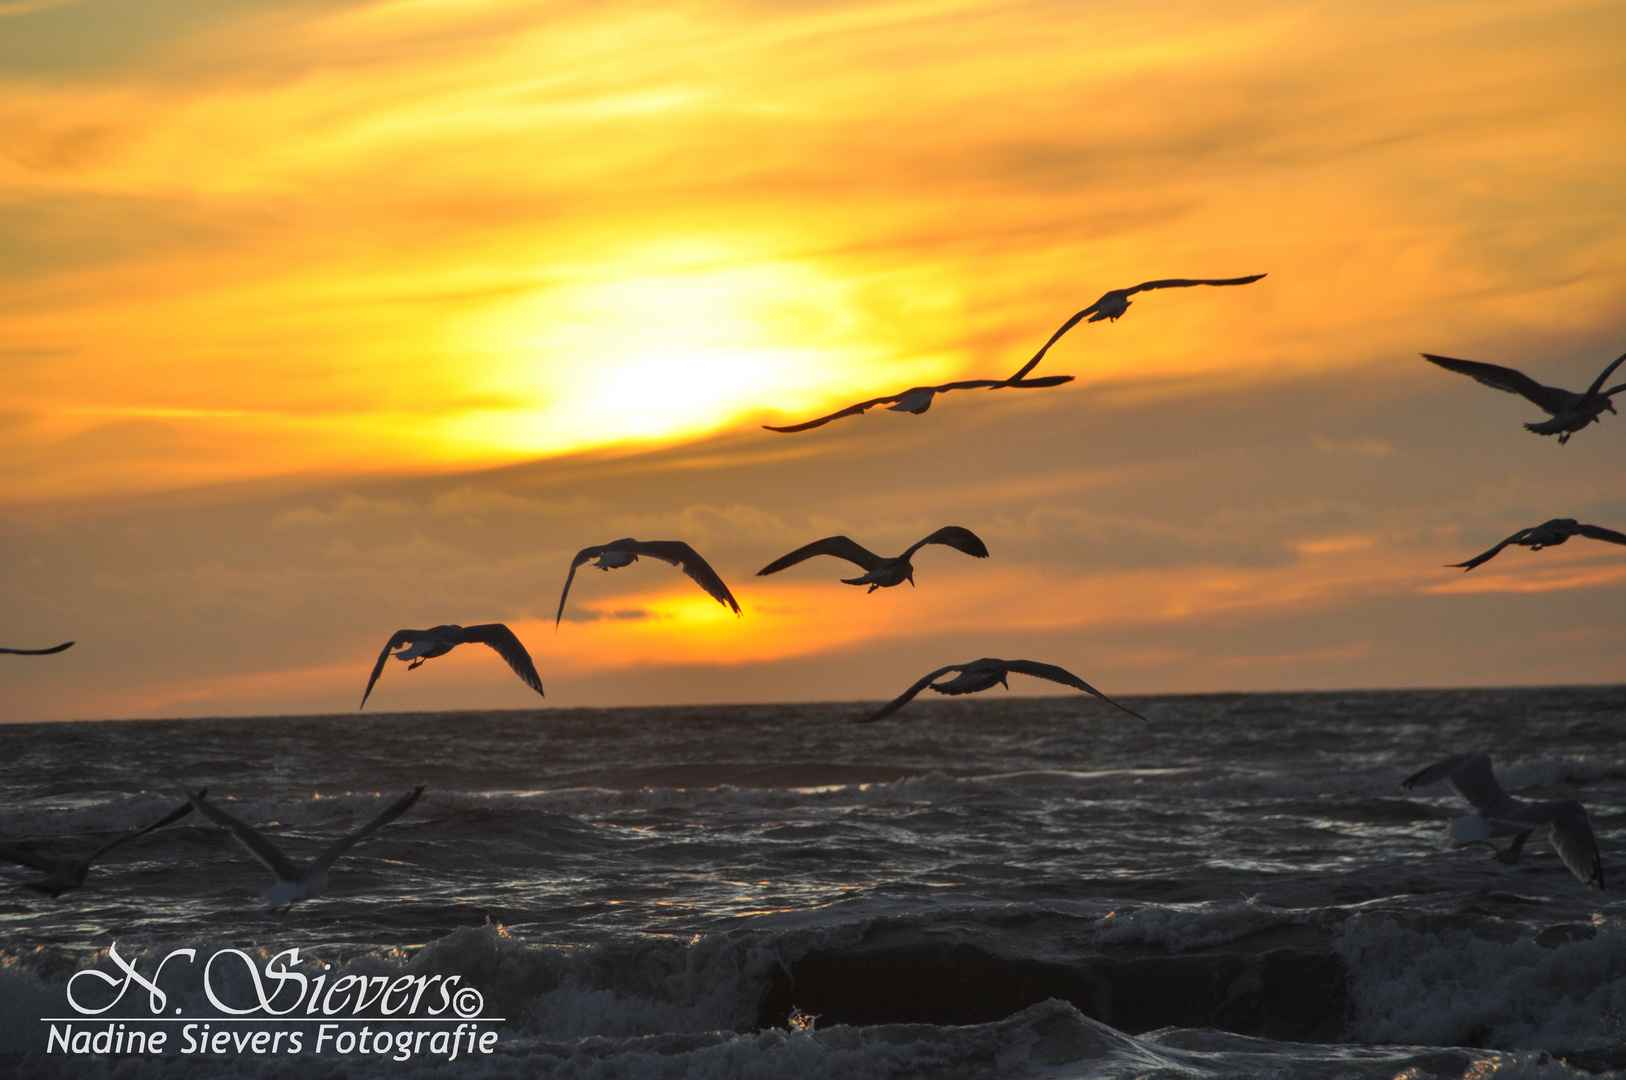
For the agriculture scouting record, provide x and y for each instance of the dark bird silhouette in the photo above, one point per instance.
(1496, 813)
(625, 552)
(984, 674)
(1547, 534)
(879, 573)
(440, 640)
(1570, 411)
(296, 882)
(1112, 306)
(38, 652)
(61, 874)
(919, 398)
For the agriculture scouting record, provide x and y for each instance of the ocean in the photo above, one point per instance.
(989, 887)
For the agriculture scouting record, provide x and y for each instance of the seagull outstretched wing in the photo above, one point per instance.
(257, 845)
(840, 546)
(397, 639)
(345, 843)
(1486, 556)
(509, 647)
(1604, 374)
(954, 536)
(908, 695)
(970, 384)
(688, 560)
(1549, 399)
(1597, 532)
(1066, 678)
(586, 554)
(38, 652)
(1472, 778)
(1124, 294)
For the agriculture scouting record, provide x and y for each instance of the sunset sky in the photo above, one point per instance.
(322, 319)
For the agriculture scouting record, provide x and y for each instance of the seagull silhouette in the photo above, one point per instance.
(38, 652)
(1112, 305)
(64, 874)
(880, 573)
(984, 674)
(1547, 534)
(1570, 411)
(625, 552)
(296, 882)
(919, 398)
(1496, 813)
(440, 640)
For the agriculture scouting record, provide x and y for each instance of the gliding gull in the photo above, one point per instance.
(1112, 305)
(1570, 411)
(625, 552)
(64, 874)
(1547, 534)
(879, 572)
(440, 640)
(984, 674)
(295, 882)
(919, 398)
(1499, 814)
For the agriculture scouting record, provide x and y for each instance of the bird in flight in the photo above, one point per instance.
(880, 573)
(1570, 411)
(295, 882)
(1112, 306)
(625, 552)
(984, 674)
(38, 652)
(919, 398)
(439, 640)
(1496, 813)
(1547, 534)
(64, 874)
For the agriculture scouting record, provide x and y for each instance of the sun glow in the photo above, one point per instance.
(674, 341)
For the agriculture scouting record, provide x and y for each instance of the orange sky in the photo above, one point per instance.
(358, 255)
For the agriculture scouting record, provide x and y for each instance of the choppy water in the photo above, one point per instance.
(989, 887)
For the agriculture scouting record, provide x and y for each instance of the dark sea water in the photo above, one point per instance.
(993, 887)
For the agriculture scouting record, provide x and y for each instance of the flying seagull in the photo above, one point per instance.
(295, 882)
(1570, 411)
(984, 674)
(879, 572)
(919, 398)
(1547, 534)
(440, 640)
(1496, 813)
(38, 652)
(1112, 306)
(64, 874)
(625, 552)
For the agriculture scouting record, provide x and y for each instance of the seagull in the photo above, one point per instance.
(919, 398)
(982, 675)
(880, 573)
(1112, 306)
(1499, 814)
(625, 552)
(1570, 411)
(38, 652)
(1547, 534)
(295, 882)
(440, 640)
(64, 874)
